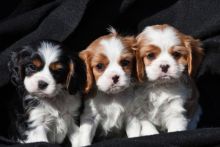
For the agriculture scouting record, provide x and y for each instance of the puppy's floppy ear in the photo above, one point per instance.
(140, 72)
(85, 55)
(130, 43)
(76, 77)
(70, 73)
(15, 66)
(196, 54)
(139, 67)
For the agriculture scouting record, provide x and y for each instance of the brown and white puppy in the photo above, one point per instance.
(110, 62)
(166, 61)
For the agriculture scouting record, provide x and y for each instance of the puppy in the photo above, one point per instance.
(166, 62)
(109, 61)
(44, 71)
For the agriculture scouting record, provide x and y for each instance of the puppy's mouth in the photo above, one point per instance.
(114, 89)
(43, 95)
(165, 77)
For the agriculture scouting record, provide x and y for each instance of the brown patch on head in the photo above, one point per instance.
(37, 62)
(180, 54)
(99, 62)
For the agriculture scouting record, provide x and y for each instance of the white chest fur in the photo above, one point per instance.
(163, 98)
(111, 109)
(55, 116)
(162, 104)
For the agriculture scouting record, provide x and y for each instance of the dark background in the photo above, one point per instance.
(78, 22)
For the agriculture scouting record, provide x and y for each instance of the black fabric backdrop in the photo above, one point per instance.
(78, 22)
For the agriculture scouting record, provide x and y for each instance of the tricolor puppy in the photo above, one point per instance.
(46, 75)
(109, 62)
(166, 62)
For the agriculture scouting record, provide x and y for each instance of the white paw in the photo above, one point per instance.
(147, 132)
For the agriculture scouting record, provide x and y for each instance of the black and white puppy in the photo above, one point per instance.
(46, 75)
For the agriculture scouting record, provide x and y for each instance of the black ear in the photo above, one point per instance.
(78, 79)
(16, 67)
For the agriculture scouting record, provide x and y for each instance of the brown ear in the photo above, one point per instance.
(195, 56)
(85, 56)
(129, 42)
(139, 66)
(69, 76)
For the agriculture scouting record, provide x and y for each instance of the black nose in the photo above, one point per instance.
(164, 68)
(42, 85)
(115, 79)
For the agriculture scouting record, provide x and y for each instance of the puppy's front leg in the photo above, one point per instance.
(73, 135)
(148, 128)
(133, 127)
(174, 117)
(87, 131)
(38, 134)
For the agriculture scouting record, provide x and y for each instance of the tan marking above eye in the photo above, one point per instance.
(37, 62)
(178, 52)
(56, 66)
(126, 60)
(127, 55)
(99, 60)
(181, 49)
(150, 52)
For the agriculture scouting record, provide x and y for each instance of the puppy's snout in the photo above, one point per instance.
(164, 68)
(42, 85)
(115, 79)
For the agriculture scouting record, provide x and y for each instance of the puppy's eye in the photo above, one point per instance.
(176, 55)
(58, 70)
(32, 67)
(151, 56)
(100, 66)
(124, 63)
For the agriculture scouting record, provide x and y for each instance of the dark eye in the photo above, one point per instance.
(125, 63)
(176, 55)
(32, 67)
(100, 66)
(151, 56)
(59, 69)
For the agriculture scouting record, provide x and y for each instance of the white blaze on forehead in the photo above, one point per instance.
(113, 48)
(49, 52)
(163, 38)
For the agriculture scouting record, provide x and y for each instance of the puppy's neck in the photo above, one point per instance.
(63, 96)
(184, 79)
